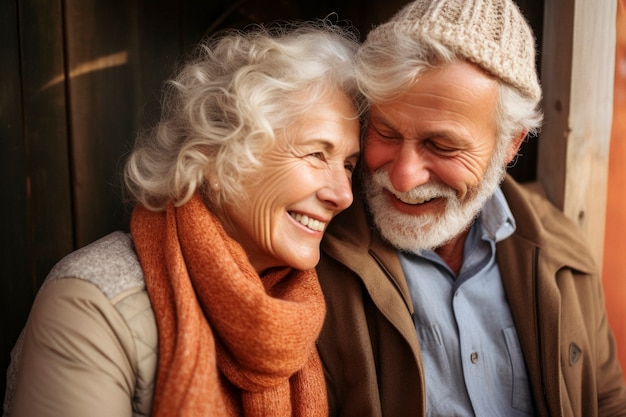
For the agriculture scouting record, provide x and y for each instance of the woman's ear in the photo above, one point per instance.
(516, 143)
(211, 178)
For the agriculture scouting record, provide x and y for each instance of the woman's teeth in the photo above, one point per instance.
(312, 224)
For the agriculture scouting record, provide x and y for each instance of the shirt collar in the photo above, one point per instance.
(496, 218)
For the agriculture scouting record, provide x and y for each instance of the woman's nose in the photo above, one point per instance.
(337, 191)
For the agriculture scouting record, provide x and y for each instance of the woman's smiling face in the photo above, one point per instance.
(305, 180)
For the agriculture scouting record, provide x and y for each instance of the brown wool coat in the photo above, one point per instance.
(370, 350)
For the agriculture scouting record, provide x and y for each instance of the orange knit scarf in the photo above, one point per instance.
(231, 343)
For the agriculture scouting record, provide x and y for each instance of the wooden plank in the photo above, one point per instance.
(12, 148)
(118, 55)
(556, 75)
(577, 73)
(155, 47)
(100, 105)
(591, 114)
(15, 288)
(36, 214)
(614, 273)
(45, 133)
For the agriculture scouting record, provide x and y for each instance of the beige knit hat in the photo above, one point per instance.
(490, 33)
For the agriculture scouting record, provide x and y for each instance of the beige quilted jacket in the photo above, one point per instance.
(90, 344)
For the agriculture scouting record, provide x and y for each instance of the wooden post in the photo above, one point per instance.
(578, 58)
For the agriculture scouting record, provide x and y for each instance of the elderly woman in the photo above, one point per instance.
(211, 306)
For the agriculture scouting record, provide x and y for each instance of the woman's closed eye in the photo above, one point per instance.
(318, 155)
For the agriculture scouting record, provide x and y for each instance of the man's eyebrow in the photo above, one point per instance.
(381, 120)
(429, 131)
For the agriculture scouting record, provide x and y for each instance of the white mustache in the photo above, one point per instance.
(415, 195)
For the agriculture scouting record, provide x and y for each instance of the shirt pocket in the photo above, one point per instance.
(437, 369)
(520, 396)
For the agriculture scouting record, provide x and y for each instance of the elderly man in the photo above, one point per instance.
(452, 290)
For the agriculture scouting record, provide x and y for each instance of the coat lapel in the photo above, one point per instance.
(529, 261)
(347, 240)
(535, 306)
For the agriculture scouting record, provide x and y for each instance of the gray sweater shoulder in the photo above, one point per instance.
(109, 263)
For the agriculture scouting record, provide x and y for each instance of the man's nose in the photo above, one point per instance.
(409, 168)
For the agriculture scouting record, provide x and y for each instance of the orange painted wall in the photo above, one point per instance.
(614, 268)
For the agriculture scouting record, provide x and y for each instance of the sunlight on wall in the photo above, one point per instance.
(614, 275)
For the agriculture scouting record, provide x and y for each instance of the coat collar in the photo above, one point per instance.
(544, 243)
(540, 227)
(351, 235)
(351, 240)
(544, 226)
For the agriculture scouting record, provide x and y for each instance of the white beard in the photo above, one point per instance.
(412, 233)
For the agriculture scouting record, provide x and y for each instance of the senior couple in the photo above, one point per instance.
(444, 289)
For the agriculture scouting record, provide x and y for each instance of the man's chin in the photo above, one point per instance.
(406, 233)
(417, 233)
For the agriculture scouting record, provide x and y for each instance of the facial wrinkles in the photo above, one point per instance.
(471, 156)
(459, 94)
(258, 208)
(474, 170)
(287, 187)
(468, 160)
(450, 107)
(269, 188)
(456, 121)
(294, 160)
(262, 186)
(430, 231)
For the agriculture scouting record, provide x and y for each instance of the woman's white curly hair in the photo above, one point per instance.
(225, 104)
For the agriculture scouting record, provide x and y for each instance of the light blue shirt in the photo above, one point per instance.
(473, 363)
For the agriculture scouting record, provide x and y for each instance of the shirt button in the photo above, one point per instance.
(474, 357)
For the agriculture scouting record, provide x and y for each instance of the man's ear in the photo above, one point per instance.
(516, 143)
